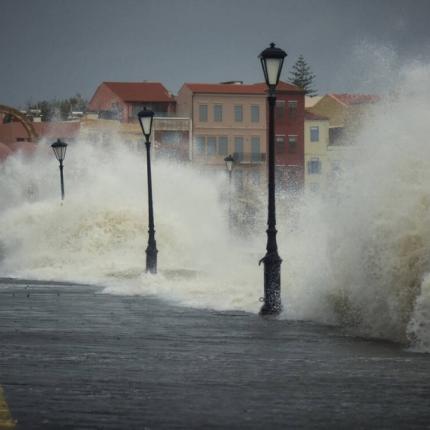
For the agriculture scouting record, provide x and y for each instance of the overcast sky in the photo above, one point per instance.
(55, 48)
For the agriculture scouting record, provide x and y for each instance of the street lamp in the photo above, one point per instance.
(145, 119)
(229, 163)
(272, 59)
(59, 147)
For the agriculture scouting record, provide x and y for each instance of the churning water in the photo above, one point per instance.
(359, 256)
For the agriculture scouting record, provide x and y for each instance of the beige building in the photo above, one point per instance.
(227, 118)
(169, 139)
(317, 163)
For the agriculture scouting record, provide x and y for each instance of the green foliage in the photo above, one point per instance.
(302, 76)
(52, 110)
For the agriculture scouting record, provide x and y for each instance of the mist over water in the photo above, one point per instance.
(358, 257)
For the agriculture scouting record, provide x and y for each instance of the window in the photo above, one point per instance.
(222, 145)
(280, 144)
(200, 145)
(211, 144)
(255, 113)
(218, 113)
(238, 113)
(280, 110)
(335, 135)
(315, 134)
(203, 113)
(292, 108)
(238, 148)
(255, 148)
(171, 137)
(314, 166)
(292, 144)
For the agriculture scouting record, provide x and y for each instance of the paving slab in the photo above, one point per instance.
(72, 357)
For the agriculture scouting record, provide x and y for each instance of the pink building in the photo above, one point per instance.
(123, 100)
(231, 118)
(13, 132)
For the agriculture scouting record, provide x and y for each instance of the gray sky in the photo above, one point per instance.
(55, 48)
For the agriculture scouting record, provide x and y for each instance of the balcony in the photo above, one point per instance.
(172, 123)
(249, 157)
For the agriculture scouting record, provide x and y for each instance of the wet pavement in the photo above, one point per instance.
(73, 358)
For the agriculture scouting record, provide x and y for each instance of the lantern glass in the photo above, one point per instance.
(59, 149)
(272, 60)
(145, 118)
(273, 67)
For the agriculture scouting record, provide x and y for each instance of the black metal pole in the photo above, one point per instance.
(229, 199)
(272, 261)
(151, 250)
(62, 179)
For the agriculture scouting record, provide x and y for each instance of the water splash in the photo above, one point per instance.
(357, 257)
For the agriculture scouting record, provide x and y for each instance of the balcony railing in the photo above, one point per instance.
(249, 157)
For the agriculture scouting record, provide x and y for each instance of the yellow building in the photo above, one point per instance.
(345, 114)
(317, 166)
(344, 111)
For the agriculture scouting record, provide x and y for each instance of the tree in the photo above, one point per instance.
(302, 76)
(59, 109)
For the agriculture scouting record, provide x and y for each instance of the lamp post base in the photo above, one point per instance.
(272, 285)
(270, 311)
(151, 260)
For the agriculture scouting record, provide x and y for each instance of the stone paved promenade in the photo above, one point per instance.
(73, 358)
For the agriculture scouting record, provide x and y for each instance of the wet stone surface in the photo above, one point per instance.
(73, 358)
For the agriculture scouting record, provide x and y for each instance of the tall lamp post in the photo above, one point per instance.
(59, 147)
(145, 119)
(229, 163)
(272, 59)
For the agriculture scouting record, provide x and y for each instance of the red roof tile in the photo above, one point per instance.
(282, 86)
(140, 91)
(224, 88)
(259, 88)
(355, 99)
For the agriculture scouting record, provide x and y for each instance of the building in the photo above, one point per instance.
(311, 101)
(13, 132)
(227, 118)
(289, 136)
(19, 133)
(317, 164)
(231, 118)
(170, 135)
(123, 100)
(345, 113)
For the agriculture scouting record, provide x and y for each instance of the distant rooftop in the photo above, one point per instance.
(354, 99)
(309, 116)
(236, 87)
(140, 91)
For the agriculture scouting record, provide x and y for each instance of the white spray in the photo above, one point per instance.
(358, 257)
